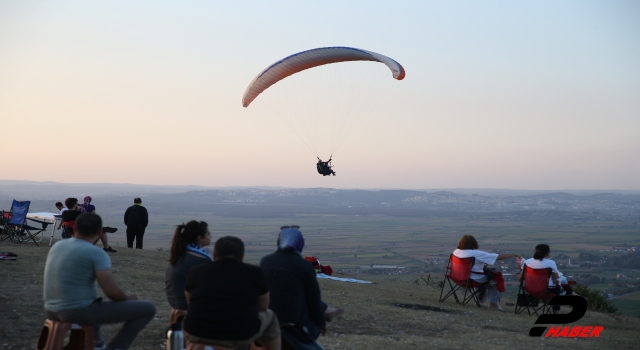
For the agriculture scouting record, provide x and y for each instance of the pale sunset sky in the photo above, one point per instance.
(540, 95)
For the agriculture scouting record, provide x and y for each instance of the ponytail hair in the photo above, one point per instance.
(541, 251)
(184, 235)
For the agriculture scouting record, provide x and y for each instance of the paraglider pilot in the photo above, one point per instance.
(324, 168)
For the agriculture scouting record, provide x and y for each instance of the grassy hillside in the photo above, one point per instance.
(394, 313)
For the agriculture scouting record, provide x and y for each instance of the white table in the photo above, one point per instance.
(51, 218)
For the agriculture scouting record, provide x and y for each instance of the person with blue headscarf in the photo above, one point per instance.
(295, 293)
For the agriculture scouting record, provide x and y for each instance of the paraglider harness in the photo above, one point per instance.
(324, 168)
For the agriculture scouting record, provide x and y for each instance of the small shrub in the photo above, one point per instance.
(596, 299)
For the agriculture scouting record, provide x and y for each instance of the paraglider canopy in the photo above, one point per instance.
(313, 58)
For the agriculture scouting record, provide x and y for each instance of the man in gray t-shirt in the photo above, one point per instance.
(69, 278)
(71, 293)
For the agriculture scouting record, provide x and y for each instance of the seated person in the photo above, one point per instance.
(325, 168)
(468, 247)
(72, 268)
(295, 293)
(541, 260)
(229, 300)
(87, 207)
(69, 216)
(186, 252)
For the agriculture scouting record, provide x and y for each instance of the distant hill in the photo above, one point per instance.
(270, 202)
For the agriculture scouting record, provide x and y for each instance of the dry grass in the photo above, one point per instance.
(372, 320)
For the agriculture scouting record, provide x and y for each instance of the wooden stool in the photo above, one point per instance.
(53, 333)
(177, 315)
(200, 346)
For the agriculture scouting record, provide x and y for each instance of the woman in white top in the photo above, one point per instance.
(541, 260)
(468, 247)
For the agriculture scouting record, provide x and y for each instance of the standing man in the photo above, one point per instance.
(136, 218)
(71, 295)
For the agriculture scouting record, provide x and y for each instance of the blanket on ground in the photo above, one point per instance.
(351, 280)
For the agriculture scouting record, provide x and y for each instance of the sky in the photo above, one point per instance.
(538, 95)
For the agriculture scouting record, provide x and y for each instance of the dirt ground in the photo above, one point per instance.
(394, 313)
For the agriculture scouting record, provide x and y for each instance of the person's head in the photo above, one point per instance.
(137, 200)
(542, 251)
(71, 203)
(290, 237)
(193, 232)
(468, 242)
(228, 247)
(88, 225)
(87, 200)
(59, 205)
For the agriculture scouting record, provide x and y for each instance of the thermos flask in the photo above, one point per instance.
(175, 337)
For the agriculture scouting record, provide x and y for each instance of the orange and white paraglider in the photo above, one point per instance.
(338, 91)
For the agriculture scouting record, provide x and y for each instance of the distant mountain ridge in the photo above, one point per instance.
(52, 190)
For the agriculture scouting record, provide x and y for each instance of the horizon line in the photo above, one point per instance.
(8, 181)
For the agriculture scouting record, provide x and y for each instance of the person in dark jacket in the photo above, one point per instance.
(229, 301)
(186, 252)
(295, 293)
(136, 218)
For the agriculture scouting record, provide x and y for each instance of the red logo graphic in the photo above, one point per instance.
(579, 308)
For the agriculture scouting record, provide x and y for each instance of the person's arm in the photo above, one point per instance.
(520, 275)
(263, 302)
(507, 256)
(188, 296)
(110, 288)
(314, 301)
(126, 215)
(554, 277)
(146, 217)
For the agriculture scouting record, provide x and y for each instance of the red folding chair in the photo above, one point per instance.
(458, 276)
(533, 293)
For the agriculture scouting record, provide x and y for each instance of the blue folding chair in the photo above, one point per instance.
(16, 228)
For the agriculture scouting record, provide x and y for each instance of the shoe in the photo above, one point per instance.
(110, 250)
(99, 346)
(109, 229)
(496, 308)
(332, 313)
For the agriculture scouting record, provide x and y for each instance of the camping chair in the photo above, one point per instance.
(458, 276)
(534, 291)
(16, 226)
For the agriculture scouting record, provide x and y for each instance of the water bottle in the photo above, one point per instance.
(175, 337)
